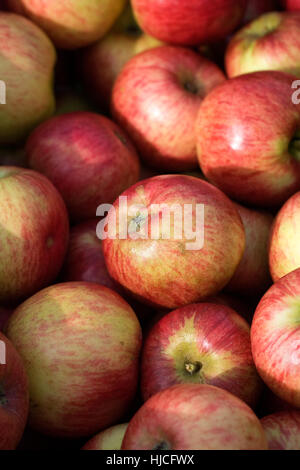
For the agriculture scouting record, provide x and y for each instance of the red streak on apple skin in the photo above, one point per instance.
(194, 417)
(164, 272)
(246, 153)
(275, 338)
(80, 344)
(151, 103)
(219, 337)
(291, 5)
(189, 22)
(13, 382)
(282, 430)
(88, 158)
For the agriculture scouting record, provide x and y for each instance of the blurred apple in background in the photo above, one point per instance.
(71, 23)
(156, 99)
(14, 399)
(185, 417)
(88, 158)
(200, 344)
(85, 260)
(34, 233)
(155, 260)
(271, 42)
(291, 5)
(27, 59)
(253, 155)
(80, 344)
(252, 276)
(189, 22)
(275, 338)
(282, 430)
(110, 439)
(284, 253)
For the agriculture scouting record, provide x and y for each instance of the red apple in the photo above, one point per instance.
(80, 344)
(87, 157)
(252, 155)
(71, 23)
(189, 22)
(34, 232)
(291, 5)
(27, 59)
(151, 255)
(275, 338)
(284, 252)
(14, 398)
(255, 8)
(252, 276)
(85, 260)
(200, 344)
(194, 417)
(282, 430)
(110, 439)
(156, 99)
(270, 42)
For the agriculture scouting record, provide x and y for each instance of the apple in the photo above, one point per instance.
(80, 344)
(252, 276)
(102, 62)
(291, 5)
(270, 42)
(85, 260)
(14, 399)
(256, 8)
(200, 344)
(88, 158)
(110, 439)
(161, 261)
(275, 338)
(27, 59)
(189, 22)
(284, 251)
(71, 23)
(34, 232)
(194, 417)
(282, 430)
(156, 99)
(252, 155)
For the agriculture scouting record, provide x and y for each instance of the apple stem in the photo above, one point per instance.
(193, 367)
(294, 147)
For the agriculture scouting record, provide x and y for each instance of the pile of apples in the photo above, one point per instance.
(134, 342)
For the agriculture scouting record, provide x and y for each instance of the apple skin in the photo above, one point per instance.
(71, 24)
(5, 313)
(291, 5)
(186, 416)
(88, 158)
(256, 8)
(252, 276)
(81, 355)
(200, 344)
(14, 398)
(85, 259)
(164, 272)
(275, 338)
(156, 99)
(110, 439)
(27, 59)
(251, 155)
(282, 430)
(103, 61)
(189, 22)
(34, 233)
(270, 42)
(284, 251)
